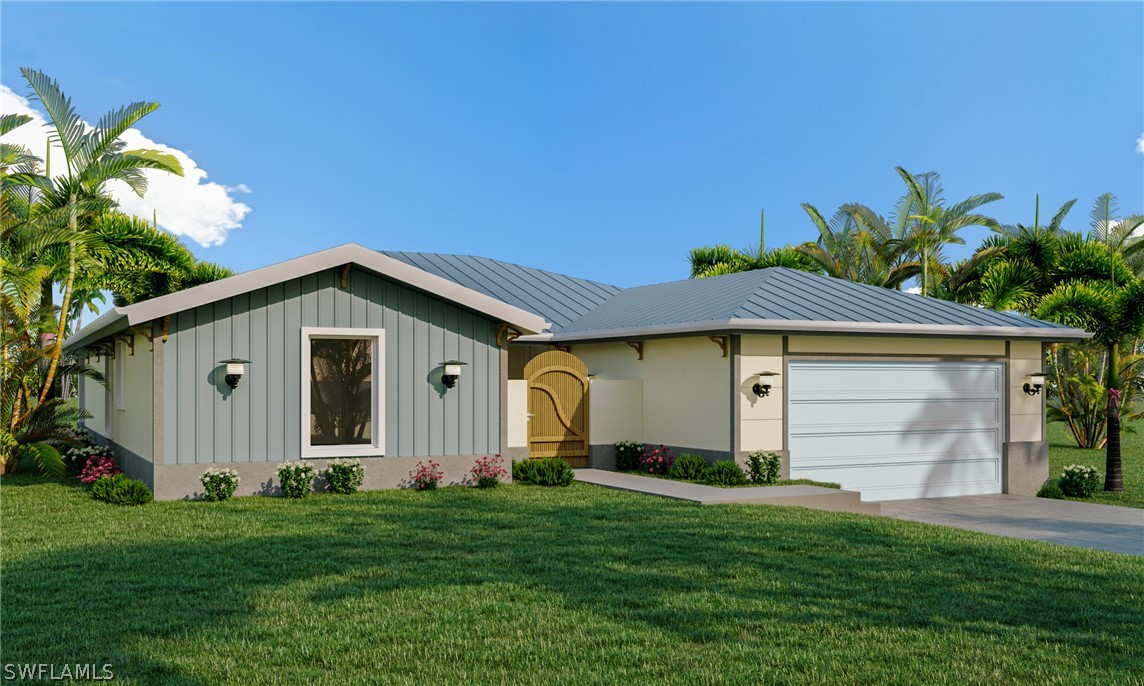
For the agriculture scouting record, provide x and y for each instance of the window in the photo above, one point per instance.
(117, 383)
(342, 392)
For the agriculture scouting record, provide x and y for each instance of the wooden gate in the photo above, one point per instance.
(558, 403)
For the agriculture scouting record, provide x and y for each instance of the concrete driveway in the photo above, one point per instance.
(1083, 525)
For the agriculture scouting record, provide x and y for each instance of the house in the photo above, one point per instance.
(397, 357)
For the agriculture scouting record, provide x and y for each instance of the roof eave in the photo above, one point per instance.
(802, 326)
(110, 322)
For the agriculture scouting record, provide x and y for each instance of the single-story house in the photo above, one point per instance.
(396, 357)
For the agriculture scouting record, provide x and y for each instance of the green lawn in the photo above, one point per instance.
(524, 584)
(1063, 451)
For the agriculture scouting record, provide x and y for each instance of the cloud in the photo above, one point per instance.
(1140, 144)
(203, 211)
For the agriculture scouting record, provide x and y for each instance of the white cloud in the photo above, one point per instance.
(1140, 144)
(203, 211)
(916, 290)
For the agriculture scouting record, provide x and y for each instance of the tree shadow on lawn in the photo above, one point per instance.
(702, 575)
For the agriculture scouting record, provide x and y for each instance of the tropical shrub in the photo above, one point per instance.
(689, 467)
(656, 460)
(1078, 481)
(97, 467)
(550, 471)
(1051, 489)
(725, 473)
(628, 454)
(76, 458)
(426, 477)
(344, 475)
(297, 479)
(522, 470)
(488, 471)
(219, 484)
(763, 467)
(121, 490)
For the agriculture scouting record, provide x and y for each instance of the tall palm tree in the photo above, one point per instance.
(1124, 235)
(93, 156)
(858, 245)
(1113, 313)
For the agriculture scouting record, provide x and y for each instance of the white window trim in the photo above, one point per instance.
(118, 365)
(377, 445)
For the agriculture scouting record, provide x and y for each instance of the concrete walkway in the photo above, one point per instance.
(815, 497)
(1084, 525)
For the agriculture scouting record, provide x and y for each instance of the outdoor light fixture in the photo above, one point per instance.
(1034, 383)
(452, 372)
(235, 368)
(762, 387)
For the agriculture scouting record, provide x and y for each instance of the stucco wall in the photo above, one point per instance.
(517, 406)
(881, 345)
(1026, 412)
(615, 412)
(686, 382)
(132, 426)
(95, 398)
(760, 419)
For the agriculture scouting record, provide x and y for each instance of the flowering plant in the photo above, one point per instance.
(297, 479)
(98, 466)
(426, 477)
(1078, 481)
(76, 458)
(344, 475)
(656, 460)
(488, 471)
(219, 484)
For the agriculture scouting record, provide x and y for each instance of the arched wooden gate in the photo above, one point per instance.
(558, 403)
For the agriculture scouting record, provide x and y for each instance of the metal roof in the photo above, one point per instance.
(559, 298)
(784, 299)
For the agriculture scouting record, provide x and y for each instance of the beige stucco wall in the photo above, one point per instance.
(615, 411)
(685, 386)
(1026, 412)
(96, 399)
(880, 345)
(131, 426)
(516, 405)
(760, 419)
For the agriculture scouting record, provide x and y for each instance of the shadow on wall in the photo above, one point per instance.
(217, 378)
(214, 576)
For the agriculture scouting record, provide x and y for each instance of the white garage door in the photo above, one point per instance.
(897, 430)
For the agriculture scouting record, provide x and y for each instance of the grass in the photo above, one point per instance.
(531, 585)
(1063, 451)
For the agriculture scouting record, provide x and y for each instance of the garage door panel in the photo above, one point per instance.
(904, 413)
(857, 448)
(897, 429)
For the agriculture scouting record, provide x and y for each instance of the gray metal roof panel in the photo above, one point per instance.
(559, 298)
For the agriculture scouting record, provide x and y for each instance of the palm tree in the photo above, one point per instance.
(722, 259)
(93, 156)
(1113, 313)
(1123, 235)
(858, 245)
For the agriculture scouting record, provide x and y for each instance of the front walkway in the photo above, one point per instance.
(815, 497)
(1084, 525)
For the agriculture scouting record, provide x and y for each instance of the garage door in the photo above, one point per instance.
(895, 430)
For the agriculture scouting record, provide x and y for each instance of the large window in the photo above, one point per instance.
(342, 392)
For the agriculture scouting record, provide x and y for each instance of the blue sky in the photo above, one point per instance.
(603, 140)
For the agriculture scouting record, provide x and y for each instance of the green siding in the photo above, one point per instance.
(205, 422)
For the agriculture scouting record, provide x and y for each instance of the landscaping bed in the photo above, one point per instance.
(526, 584)
(1063, 452)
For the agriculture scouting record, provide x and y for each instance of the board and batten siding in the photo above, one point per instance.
(204, 422)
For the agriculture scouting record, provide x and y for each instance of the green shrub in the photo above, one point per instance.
(297, 479)
(763, 467)
(344, 475)
(550, 471)
(1079, 482)
(628, 454)
(121, 490)
(1051, 489)
(219, 484)
(725, 473)
(689, 467)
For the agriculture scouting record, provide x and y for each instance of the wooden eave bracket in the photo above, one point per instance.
(563, 348)
(129, 340)
(146, 331)
(638, 347)
(346, 274)
(506, 334)
(720, 341)
(166, 326)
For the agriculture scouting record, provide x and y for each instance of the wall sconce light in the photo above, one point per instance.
(1034, 383)
(762, 387)
(235, 368)
(452, 372)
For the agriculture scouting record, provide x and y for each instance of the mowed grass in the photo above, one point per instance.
(531, 585)
(1063, 451)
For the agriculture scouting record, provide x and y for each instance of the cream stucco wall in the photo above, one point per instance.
(131, 426)
(1026, 412)
(615, 411)
(685, 386)
(517, 407)
(881, 345)
(760, 419)
(96, 399)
